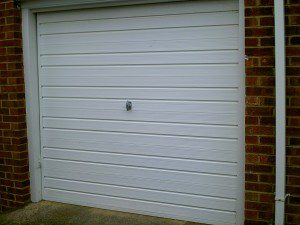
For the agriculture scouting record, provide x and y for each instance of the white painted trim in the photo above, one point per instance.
(241, 164)
(29, 10)
(32, 102)
(280, 111)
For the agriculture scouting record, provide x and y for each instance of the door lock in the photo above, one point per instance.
(128, 105)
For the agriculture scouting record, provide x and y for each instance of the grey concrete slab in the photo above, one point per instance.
(52, 213)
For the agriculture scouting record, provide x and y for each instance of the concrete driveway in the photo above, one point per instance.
(51, 213)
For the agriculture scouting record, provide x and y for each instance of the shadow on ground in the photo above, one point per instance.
(50, 213)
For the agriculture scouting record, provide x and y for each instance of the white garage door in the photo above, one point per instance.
(175, 154)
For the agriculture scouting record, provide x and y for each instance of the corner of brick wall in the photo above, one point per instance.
(260, 112)
(293, 111)
(14, 175)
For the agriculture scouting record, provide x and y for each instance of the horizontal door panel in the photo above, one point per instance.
(143, 139)
(144, 183)
(143, 105)
(205, 81)
(136, 36)
(166, 58)
(205, 150)
(141, 76)
(216, 131)
(135, 176)
(220, 113)
(189, 94)
(189, 165)
(150, 116)
(142, 194)
(144, 207)
(135, 23)
(140, 46)
(139, 10)
(154, 71)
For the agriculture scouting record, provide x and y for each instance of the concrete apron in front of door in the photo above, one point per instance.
(52, 213)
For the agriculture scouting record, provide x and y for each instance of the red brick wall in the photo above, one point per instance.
(14, 181)
(260, 112)
(293, 111)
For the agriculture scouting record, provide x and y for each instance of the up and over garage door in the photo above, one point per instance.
(176, 152)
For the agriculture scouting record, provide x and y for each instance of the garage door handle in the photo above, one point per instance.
(128, 105)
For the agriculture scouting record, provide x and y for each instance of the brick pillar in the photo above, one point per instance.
(14, 175)
(260, 109)
(293, 111)
(260, 112)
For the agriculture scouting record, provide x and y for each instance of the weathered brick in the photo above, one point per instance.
(14, 180)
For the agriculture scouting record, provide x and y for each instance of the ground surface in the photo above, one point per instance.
(50, 213)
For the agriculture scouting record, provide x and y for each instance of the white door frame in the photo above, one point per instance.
(30, 8)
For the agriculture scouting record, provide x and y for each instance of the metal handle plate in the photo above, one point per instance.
(128, 105)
